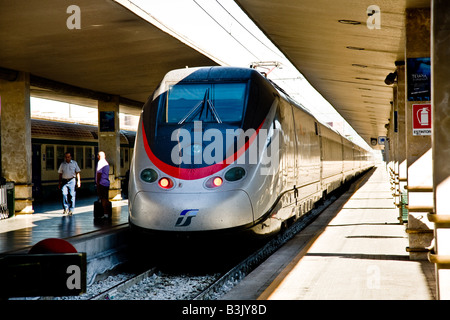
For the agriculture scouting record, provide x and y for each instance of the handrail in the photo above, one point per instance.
(437, 258)
(420, 208)
(438, 218)
(412, 230)
(419, 188)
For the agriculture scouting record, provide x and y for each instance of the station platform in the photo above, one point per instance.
(21, 232)
(355, 250)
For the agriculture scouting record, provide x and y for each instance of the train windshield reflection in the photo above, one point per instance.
(218, 102)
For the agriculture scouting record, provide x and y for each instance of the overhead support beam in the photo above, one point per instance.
(67, 89)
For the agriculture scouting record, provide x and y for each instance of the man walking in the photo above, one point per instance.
(69, 174)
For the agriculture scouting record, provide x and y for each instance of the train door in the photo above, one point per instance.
(36, 171)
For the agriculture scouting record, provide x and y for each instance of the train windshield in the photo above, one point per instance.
(217, 103)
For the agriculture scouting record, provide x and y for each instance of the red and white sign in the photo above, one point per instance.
(421, 114)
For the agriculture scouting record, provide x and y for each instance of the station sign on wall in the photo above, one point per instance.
(421, 114)
(419, 79)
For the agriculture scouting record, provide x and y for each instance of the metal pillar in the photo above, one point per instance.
(109, 142)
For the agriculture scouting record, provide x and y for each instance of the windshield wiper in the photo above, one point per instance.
(190, 112)
(202, 103)
(214, 112)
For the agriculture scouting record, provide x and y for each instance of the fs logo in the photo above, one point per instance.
(186, 217)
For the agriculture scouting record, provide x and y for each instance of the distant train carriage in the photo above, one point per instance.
(51, 139)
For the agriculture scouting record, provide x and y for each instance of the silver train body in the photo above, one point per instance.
(221, 149)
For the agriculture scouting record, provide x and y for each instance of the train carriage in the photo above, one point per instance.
(51, 139)
(224, 150)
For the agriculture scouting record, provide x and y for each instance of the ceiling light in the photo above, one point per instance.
(390, 78)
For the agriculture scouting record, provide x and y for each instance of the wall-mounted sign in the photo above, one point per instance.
(382, 140)
(107, 121)
(419, 79)
(421, 114)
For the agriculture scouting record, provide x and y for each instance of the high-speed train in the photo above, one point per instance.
(223, 149)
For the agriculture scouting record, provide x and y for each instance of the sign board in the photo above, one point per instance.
(419, 79)
(421, 114)
(107, 121)
(382, 140)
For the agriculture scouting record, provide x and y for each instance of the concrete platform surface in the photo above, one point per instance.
(355, 249)
(22, 231)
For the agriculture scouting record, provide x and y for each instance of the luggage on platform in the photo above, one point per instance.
(98, 209)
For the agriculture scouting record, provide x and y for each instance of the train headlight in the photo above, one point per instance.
(217, 181)
(165, 183)
(235, 174)
(214, 182)
(149, 175)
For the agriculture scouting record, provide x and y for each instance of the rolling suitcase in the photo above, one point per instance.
(98, 209)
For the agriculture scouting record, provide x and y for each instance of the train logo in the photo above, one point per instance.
(186, 217)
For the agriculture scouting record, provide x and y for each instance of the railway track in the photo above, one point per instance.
(160, 285)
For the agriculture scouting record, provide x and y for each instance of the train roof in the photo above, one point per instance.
(47, 129)
(216, 73)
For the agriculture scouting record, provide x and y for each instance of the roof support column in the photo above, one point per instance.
(16, 139)
(109, 142)
(400, 151)
(440, 71)
(418, 147)
(391, 147)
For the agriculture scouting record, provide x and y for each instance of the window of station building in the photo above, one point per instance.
(89, 153)
(50, 157)
(59, 155)
(79, 156)
(71, 150)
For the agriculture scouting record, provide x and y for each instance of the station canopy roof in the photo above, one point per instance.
(330, 44)
(115, 51)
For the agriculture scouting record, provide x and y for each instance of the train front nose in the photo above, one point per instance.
(189, 212)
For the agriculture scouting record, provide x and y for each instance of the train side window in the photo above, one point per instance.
(59, 155)
(50, 157)
(79, 156)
